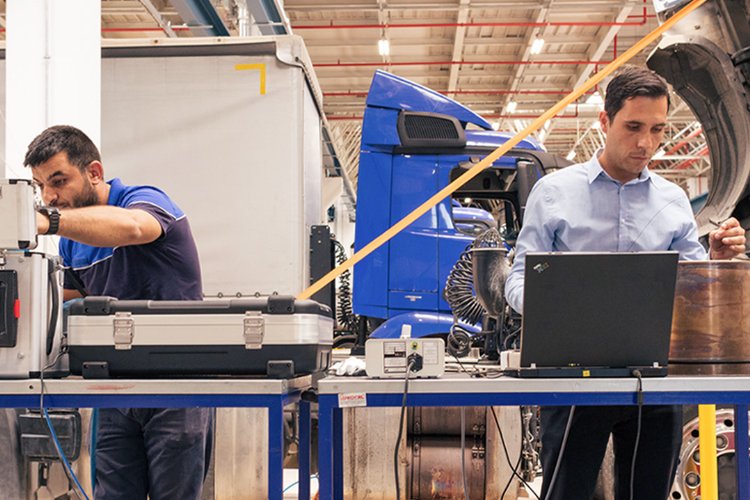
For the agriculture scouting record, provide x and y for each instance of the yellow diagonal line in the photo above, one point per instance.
(507, 146)
(257, 66)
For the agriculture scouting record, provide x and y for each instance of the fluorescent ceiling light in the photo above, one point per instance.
(536, 46)
(496, 126)
(511, 107)
(384, 47)
(571, 155)
(597, 125)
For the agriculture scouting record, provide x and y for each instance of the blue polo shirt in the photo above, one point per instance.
(165, 269)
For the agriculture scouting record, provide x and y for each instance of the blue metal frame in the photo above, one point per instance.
(303, 455)
(274, 403)
(330, 452)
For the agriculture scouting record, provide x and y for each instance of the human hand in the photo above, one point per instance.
(727, 241)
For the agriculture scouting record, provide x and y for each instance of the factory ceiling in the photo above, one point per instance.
(508, 60)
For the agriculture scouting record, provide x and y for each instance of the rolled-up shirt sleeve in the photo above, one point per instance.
(686, 239)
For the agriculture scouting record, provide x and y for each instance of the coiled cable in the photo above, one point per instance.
(459, 286)
(345, 316)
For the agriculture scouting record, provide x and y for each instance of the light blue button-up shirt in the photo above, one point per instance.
(582, 209)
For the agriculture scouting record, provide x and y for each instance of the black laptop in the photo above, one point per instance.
(597, 314)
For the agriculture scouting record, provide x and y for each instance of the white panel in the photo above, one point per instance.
(235, 161)
(53, 49)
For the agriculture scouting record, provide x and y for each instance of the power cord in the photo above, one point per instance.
(560, 453)
(518, 464)
(78, 489)
(409, 367)
(514, 469)
(639, 392)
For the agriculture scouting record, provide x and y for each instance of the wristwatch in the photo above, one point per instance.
(53, 214)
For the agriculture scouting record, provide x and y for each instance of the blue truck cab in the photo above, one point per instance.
(415, 141)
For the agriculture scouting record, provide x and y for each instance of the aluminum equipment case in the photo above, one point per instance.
(276, 336)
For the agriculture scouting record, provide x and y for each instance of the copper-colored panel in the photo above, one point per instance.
(711, 321)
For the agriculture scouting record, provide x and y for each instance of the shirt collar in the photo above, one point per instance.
(594, 170)
(116, 189)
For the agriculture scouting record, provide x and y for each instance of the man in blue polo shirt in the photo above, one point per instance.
(129, 242)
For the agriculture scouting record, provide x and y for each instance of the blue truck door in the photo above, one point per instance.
(413, 276)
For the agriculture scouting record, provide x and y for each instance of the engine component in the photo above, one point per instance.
(436, 467)
(490, 269)
(711, 320)
(459, 287)
(430, 453)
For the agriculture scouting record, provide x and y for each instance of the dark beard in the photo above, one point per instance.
(87, 197)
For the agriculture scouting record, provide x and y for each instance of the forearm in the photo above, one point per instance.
(71, 294)
(105, 226)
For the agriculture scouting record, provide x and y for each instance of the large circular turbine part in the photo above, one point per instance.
(705, 59)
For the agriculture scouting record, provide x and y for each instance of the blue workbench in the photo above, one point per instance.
(271, 394)
(462, 390)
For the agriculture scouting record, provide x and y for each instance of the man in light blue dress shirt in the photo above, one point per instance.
(613, 203)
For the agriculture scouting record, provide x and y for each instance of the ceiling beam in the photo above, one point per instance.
(458, 43)
(202, 15)
(604, 43)
(541, 15)
(154, 12)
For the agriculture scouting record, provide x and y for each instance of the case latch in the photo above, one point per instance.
(123, 330)
(253, 329)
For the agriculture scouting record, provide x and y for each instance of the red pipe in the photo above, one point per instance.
(685, 164)
(525, 24)
(136, 30)
(574, 115)
(452, 63)
(332, 26)
(350, 93)
(684, 142)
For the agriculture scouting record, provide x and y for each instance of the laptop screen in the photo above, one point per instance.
(598, 309)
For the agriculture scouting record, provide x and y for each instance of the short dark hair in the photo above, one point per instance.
(633, 81)
(62, 138)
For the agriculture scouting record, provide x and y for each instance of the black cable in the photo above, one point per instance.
(518, 464)
(560, 453)
(401, 429)
(344, 312)
(55, 312)
(507, 456)
(458, 342)
(513, 468)
(636, 373)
